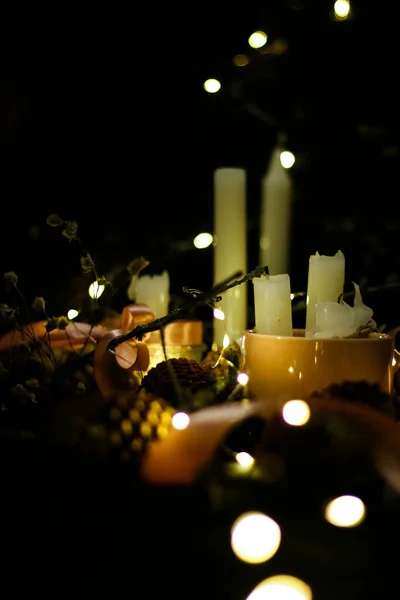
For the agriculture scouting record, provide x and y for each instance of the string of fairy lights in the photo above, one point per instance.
(341, 11)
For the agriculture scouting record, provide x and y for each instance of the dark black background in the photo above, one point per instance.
(104, 120)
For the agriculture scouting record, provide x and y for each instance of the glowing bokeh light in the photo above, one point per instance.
(341, 9)
(296, 412)
(212, 86)
(244, 459)
(241, 60)
(255, 538)
(226, 341)
(203, 240)
(281, 587)
(242, 378)
(96, 290)
(219, 314)
(345, 511)
(258, 39)
(287, 159)
(180, 420)
(72, 314)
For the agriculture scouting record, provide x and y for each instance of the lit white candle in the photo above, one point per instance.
(276, 216)
(272, 305)
(325, 284)
(230, 249)
(153, 290)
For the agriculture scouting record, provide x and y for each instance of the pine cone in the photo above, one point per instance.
(123, 429)
(191, 376)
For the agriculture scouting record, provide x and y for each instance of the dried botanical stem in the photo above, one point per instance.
(197, 300)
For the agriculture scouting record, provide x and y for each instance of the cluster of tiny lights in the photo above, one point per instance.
(281, 587)
(180, 420)
(296, 412)
(345, 511)
(255, 538)
(203, 240)
(96, 290)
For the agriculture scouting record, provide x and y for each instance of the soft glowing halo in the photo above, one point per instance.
(203, 240)
(345, 511)
(281, 587)
(287, 159)
(212, 86)
(242, 378)
(341, 8)
(219, 314)
(244, 459)
(255, 538)
(296, 412)
(257, 39)
(180, 420)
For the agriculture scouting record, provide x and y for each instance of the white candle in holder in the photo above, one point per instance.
(153, 290)
(272, 305)
(230, 249)
(325, 284)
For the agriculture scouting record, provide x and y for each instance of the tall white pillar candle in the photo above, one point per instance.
(230, 249)
(276, 216)
(153, 290)
(325, 284)
(272, 305)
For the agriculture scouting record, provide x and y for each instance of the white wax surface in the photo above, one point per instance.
(230, 248)
(153, 290)
(272, 305)
(325, 283)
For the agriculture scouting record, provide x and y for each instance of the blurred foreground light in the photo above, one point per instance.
(180, 420)
(203, 240)
(219, 314)
(242, 378)
(296, 412)
(212, 86)
(281, 587)
(241, 60)
(287, 159)
(345, 511)
(244, 459)
(255, 538)
(341, 9)
(72, 314)
(96, 290)
(257, 39)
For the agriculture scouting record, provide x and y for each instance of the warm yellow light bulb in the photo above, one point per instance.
(281, 587)
(203, 240)
(287, 159)
(212, 86)
(345, 511)
(257, 39)
(296, 412)
(341, 9)
(255, 538)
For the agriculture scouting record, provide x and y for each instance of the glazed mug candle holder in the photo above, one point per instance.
(296, 366)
